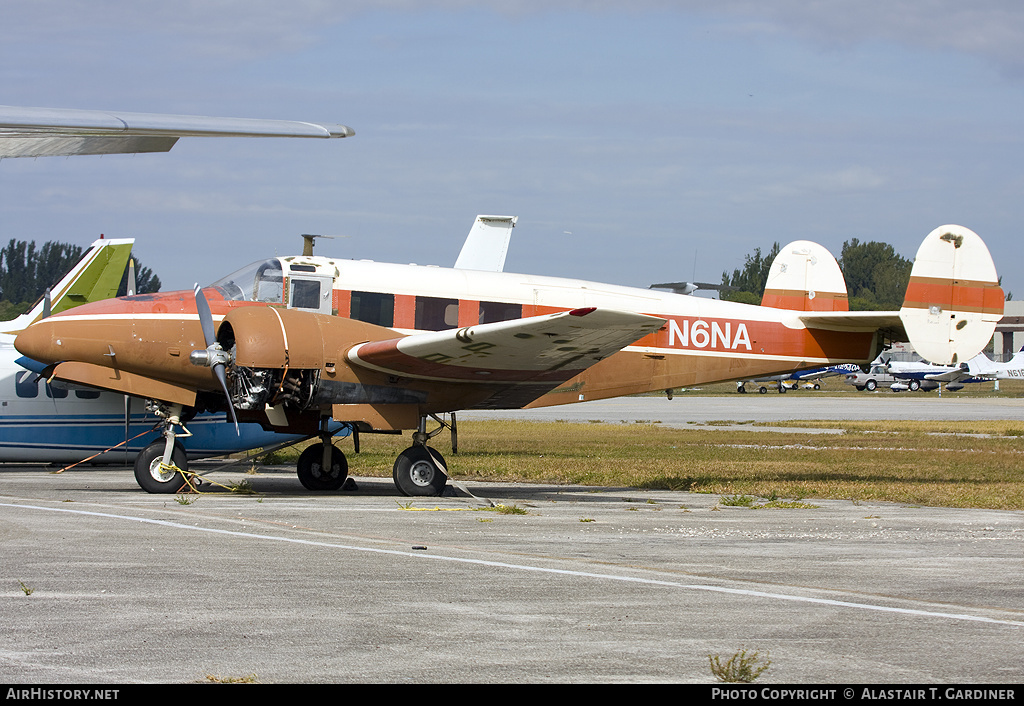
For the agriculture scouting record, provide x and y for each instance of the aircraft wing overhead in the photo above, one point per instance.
(43, 132)
(543, 349)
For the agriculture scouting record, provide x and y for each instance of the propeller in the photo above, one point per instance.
(214, 356)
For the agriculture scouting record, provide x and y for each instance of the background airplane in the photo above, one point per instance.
(796, 378)
(978, 369)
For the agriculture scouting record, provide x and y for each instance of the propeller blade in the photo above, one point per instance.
(131, 277)
(205, 317)
(218, 370)
(206, 320)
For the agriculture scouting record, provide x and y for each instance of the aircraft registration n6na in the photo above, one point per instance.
(295, 343)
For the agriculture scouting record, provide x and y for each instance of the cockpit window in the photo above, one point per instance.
(258, 282)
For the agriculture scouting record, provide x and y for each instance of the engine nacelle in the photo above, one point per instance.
(290, 357)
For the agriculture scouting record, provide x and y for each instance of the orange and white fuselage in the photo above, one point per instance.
(384, 344)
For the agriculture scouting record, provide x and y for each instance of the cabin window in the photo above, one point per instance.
(305, 294)
(491, 312)
(311, 293)
(435, 314)
(373, 308)
(87, 394)
(25, 384)
(269, 283)
(56, 391)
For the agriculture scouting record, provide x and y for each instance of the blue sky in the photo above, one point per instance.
(660, 142)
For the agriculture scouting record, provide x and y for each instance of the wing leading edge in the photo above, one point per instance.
(541, 349)
(44, 132)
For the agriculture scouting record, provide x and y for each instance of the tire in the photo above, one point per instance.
(914, 386)
(420, 471)
(871, 385)
(817, 386)
(762, 389)
(147, 468)
(311, 472)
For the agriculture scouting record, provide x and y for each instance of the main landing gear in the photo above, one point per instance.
(322, 466)
(162, 467)
(420, 470)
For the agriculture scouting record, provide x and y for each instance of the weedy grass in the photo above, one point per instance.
(925, 463)
(743, 667)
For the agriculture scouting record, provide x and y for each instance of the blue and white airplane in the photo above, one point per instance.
(811, 376)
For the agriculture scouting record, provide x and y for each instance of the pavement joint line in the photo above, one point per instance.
(536, 569)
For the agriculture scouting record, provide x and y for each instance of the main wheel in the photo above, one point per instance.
(310, 468)
(420, 471)
(914, 385)
(154, 479)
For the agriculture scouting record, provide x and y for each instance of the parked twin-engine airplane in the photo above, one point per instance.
(294, 342)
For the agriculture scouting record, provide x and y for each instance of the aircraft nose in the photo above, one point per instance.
(37, 343)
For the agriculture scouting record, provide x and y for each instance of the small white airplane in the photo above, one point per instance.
(978, 369)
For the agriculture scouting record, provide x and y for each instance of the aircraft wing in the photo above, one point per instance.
(955, 375)
(544, 349)
(43, 132)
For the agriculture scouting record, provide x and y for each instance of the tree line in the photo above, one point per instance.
(26, 271)
(876, 276)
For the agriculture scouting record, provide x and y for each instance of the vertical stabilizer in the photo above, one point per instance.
(96, 276)
(487, 244)
(805, 277)
(954, 299)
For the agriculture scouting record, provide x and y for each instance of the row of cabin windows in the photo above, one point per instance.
(432, 313)
(26, 384)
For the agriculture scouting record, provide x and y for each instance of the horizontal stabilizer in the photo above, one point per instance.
(550, 349)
